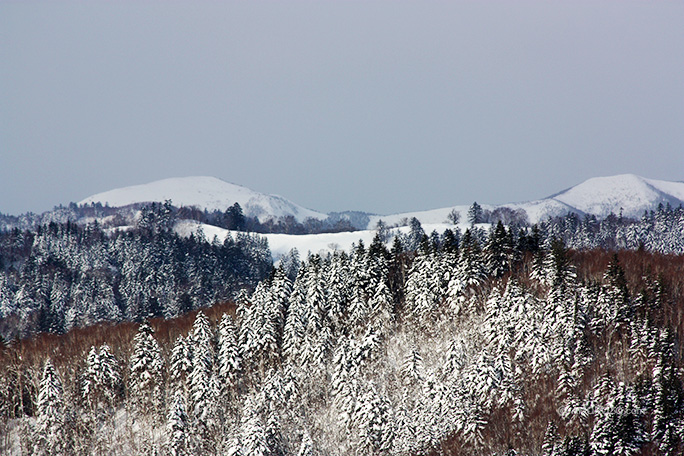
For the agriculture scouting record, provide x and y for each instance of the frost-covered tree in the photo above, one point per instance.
(177, 427)
(413, 367)
(102, 378)
(306, 447)
(469, 274)
(424, 290)
(146, 377)
(373, 424)
(252, 430)
(499, 251)
(51, 438)
(475, 214)
(618, 429)
(180, 364)
(229, 359)
(202, 388)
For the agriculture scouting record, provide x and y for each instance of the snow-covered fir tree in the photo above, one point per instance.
(51, 437)
(146, 375)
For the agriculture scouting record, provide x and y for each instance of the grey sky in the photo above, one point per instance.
(382, 106)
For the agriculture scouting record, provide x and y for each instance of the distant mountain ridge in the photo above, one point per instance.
(628, 194)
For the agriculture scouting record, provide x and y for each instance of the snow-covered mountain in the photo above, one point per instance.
(207, 193)
(598, 196)
(628, 193)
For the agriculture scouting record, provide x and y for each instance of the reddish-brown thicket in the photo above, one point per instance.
(646, 273)
(21, 363)
(643, 270)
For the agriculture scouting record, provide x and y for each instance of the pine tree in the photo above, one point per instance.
(374, 425)
(498, 253)
(180, 365)
(559, 271)
(296, 319)
(101, 379)
(336, 279)
(424, 290)
(475, 214)
(550, 441)
(50, 429)
(413, 368)
(618, 429)
(415, 234)
(469, 274)
(229, 358)
(146, 378)
(306, 447)
(177, 427)
(202, 397)
(252, 431)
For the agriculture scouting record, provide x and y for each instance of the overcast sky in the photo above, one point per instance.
(381, 106)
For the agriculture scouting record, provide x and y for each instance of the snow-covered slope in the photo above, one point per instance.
(598, 196)
(433, 216)
(280, 244)
(627, 192)
(206, 193)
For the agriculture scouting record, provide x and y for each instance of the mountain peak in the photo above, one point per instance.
(626, 193)
(205, 192)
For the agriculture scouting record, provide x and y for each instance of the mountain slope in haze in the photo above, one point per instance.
(207, 193)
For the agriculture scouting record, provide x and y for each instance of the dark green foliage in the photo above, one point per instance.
(475, 214)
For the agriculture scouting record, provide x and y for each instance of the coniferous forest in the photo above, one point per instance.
(560, 339)
(61, 276)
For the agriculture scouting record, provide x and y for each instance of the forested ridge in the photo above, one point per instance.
(65, 275)
(477, 343)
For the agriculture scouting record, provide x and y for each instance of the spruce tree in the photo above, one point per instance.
(229, 358)
(475, 214)
(180, 365)
(202, 392)
(252, 430)
(177, 427)
(50, 428)
(146, 378)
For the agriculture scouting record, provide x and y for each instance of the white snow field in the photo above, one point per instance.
(280, 244)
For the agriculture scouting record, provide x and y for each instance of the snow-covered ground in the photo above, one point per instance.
(431, 217)
(280, 244)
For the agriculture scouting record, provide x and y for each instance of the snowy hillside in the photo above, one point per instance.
(598, 196)
(281, 244)
(206, 193)
(434, 216)
(633, 194)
